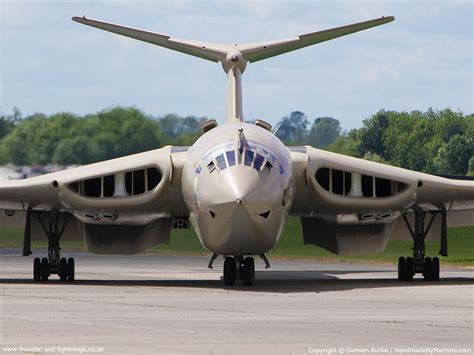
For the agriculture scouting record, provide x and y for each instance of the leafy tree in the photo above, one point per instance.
(6, 126)
(374, 157)
(471, 167)
(174, 126)
(454, 156)
(65, 138)
(324, 131)
(76, 150)
(346, 144)
(372, 133)
(292, 128)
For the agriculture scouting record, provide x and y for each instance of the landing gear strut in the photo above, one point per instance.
(419, 263)
(239, 268)
(54, 264)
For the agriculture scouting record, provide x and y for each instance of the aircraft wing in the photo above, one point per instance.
(119, 206)
(139, 183)
(338, 196)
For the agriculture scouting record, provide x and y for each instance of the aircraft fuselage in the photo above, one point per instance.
(238, 186)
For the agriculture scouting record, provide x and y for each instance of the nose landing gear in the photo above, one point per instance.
(239, 268)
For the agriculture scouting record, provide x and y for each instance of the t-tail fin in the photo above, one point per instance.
(234, 57)
(217, 51)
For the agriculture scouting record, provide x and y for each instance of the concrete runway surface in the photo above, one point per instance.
(173, 304)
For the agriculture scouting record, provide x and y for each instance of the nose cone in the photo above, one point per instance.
(240, 211)
(240, 185)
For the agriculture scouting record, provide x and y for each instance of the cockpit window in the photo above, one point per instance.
(230, 157)
(254, 155)
(281, 170)
(211, 166)
(248, 157)
(257, 165)
(221, 162)
(268, 166)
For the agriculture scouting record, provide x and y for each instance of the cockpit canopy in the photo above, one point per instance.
(252, 155)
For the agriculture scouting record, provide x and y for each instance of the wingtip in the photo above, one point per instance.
(78, 18)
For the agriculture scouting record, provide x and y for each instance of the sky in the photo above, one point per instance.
(423, 59)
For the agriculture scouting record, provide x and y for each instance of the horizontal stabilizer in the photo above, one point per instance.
(217, 52)
(264, 50)
(209, 51)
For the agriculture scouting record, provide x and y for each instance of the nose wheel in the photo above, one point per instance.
(229, 271)
(239, 269)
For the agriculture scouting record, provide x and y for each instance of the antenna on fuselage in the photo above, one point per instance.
(241, 142)
(276, 129)
(234, 57)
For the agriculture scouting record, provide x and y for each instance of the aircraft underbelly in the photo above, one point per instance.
(238, 233)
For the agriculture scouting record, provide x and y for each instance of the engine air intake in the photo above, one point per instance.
(356, 185)
(130, 183)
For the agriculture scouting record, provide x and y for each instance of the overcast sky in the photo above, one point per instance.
(423, 59)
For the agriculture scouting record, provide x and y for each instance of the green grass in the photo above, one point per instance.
(460, 246)
(13, 238)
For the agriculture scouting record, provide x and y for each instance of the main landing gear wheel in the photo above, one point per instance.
(37, 270)
(248, 271)
(70, 269)
(44, 269)
(406, 269)
(431, 269)
(63, 270)
(229, 271)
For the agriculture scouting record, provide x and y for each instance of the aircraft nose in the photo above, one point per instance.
(241, 186)
(240, 213)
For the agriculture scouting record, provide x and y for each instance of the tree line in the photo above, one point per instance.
(433, 141)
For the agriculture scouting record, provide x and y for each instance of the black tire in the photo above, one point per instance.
(63, 269)
(435, 269)
(70, 269)
(410, 268)
(44, 267)
(248, 271)
(229, 271)
(428, 269)
(402, 269)
(37, 270)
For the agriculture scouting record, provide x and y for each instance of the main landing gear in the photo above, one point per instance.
(53, 264)
(419, 263)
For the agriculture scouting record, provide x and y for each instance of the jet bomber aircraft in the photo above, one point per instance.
(237, 185)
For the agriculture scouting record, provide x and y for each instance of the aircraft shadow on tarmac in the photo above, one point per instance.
(271, 281)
